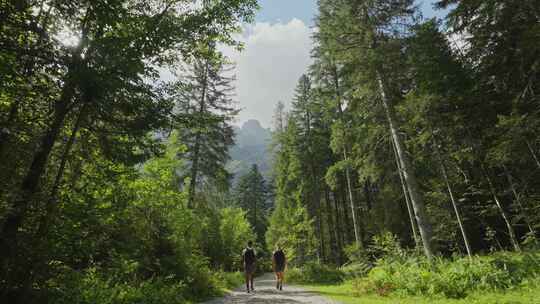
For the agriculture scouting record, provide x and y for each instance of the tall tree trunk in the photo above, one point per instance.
(357, 233)
(518, 201)
(320, 231)
(505, 216)
(356, 227)
(340, 240)
(46, 219)
(454, 204)
(347, 220)
(322, 242)
(332, 230)
(406, 195)
(50, 209)
(196, 150)
(408, 172)
(255, 215)
(30, 184)
(194, 173)
(367, 194)
(533, 154)
(9, 244)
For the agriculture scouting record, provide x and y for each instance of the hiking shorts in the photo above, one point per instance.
(250, 268)
(280, 268)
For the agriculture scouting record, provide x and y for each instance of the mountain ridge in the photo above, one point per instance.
(251, 146)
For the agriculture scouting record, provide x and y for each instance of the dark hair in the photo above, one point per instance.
(250, 243)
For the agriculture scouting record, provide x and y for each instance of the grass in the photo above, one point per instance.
(344, 293)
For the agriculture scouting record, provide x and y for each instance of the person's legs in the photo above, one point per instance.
(251, 279)
(247, 279)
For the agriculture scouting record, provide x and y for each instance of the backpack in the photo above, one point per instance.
(279, 257)
(249, 256)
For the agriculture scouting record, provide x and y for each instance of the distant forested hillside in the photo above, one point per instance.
(251, 147)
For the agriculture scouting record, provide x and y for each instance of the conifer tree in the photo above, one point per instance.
(205, 113)
(251, 194)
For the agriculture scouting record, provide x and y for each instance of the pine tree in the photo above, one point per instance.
(205, 114)
(251, 194)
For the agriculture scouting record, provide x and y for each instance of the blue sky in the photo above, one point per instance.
(305, 10)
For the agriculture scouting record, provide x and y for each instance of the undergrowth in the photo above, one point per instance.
(385, 269)
(96, 286)
(451, 278)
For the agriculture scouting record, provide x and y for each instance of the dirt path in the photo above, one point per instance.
(266, 293)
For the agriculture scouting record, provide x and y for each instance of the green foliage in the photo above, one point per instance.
(251, 193)
(230, 280)
(356, 269)
(347, 293)
(95, 285)
(314, 273)
(293, 230)
(90, 287)
(361, 260)
(384, 246)
(205, 112)
(94, 207)
(454, 278)
(89, 183)
(235, 232)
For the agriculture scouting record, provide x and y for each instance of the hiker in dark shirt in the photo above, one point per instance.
(249, 258)
(279, 262)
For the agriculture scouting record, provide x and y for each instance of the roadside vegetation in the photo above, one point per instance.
(385, 273)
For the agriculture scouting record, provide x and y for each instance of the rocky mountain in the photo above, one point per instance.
(252, 147)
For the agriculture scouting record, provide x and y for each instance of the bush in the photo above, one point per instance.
(89, 287)
(361, 260)
(356, 270)
(314, 273)
(229, 280)
(450, 278)
(97, 285)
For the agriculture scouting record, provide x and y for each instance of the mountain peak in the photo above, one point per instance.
(252, 124)
(251, 147)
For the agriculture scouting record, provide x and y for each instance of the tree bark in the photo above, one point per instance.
(353, 208)
(196, 149)
(367, 194)
(44, 224)
(9, 243)
(30, 184)
(533, 154)
(357, 234)
(518, 201)
(408, 172)
(454, 204)
(505, 216)
(406, 195)
(194, 173)
(314, 206)
(346, 217)
(332, 230)
(339, 231)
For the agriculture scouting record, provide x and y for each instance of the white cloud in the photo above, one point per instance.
(267, 70)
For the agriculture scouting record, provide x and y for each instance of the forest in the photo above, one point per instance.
(407, 165)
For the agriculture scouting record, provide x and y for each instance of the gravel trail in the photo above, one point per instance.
(266, 293)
